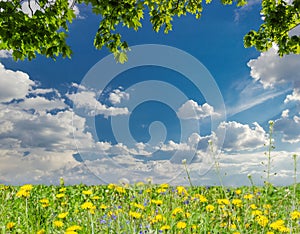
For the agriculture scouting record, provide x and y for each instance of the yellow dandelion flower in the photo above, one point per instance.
(253, 206)
(187, 214)
(177, 210)
(157, 202)
(87, 192)
(139, 206)
(161, 190)
(58, 223)
(223, 201)
(159, 218)
(44, 200)
(267, 206)
(23, 193)
(103, 207)
(181, 225)
(201, 198)
(237, 202)
(256, 212)
(223, 224)
(135, 215)
(61, 190)
(181, 190)
(42, 231)
(270, 233)
(233, 226)
(120, 189)
(262, 220)
(164, 186)
(74, 228)
(96, 197)
(295, 215)
(10, 225)
(59, 195)
(111, 186)
(71, 232)
(209, 208)
(238, 191)
(248, 196)
(236, 233)
(165, 227)
(277, 224)
(87, 205)
(63, 215)
(27, 187)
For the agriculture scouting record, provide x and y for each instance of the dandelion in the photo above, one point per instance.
(87, 205)
(165, 227)
(295, 215)
(223, 201)
(58, 223)
(10, 225)
(181, 225)
(201, 198)
(23, 193)
(96, 197)
(135, 215)
(237, 202)
(262, 220)
(59, 195)
(248, 196)
(209, 208)
(253, 206)
(238, 192)
(62, 190)
(42, 231)
(27, 187)
(87, 192)
(74, 228)
(177, 210)
(63, 215)
(103, 207)
(181, 190)
(157, 202)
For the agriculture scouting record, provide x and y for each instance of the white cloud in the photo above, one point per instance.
(289, 127)
(5, 53)
(87, 101)
(14, 84)
(116, 96)
(240, 137)
(285, 114)
(295, 96)
(191, 110)
(244, 9)
(272, 70)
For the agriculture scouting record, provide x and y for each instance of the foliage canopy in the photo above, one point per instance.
(43, 30)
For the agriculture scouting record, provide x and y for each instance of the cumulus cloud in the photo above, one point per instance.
(87, 101)
(14, 84)
(240, 137)
(191, 110)
(295, 96)
(271, 70)
(289, 127)
(116, 96)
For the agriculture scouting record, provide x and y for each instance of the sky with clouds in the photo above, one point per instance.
(195, 94)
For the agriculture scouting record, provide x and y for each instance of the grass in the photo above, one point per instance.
(146, 208)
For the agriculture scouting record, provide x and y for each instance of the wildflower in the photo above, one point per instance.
(23, 193)
(120, 189)
(95, 197)
(181, 225)
(103, 207)
(223, 201)
(181, 190)
(253, 206)
(164, 186)
(63, 215)
(87, 205)
(209, 208)
(161, 190)
(58, 223)
(27, 187)
(87, 192)
(135, 215)
(157, 202)
(74, 228)
(237, 202)
(111, 186)
(139, 206)
(62, 190)
(233, 226)
(201, 198)
(262, 220)
(177, 210)
(165, 227)
(295, 215)
(238, 192)
(256, 212)
(59, 195)
(277, 225)
(270, 233)
(71, 232)
(248, 196)
(42, 231)
(10, 225)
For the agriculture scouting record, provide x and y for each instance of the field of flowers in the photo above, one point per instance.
(148, 208)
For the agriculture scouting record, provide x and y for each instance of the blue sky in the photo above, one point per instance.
(91, 120)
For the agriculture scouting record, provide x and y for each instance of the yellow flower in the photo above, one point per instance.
(87, 205)
(233, 226)
(277, 224)
(42, 231)
(96, 197)
(135, 215)
(23, 193)
(27, 187)
(61, 190)
(44, 200)
(71, 232)
(237, 202)
(74, 228)
(223, 201)
(262, 220)
(253, 206)
(63, 215)
(161, 190)
(58, 223)
(181, 225)
(295, 215)
(59, 195)
(236, 233)
(165, 227)
(139, 206)
(177, 210)
(164, 186)
(157, 202)
(267, 206)
(256, 212)
(209, 208)
(248, 196)
(120, 189)
(201, 198)
(87, 192)
(10, 225)
(270, 233)
(103, 207)
(181, 190)
(238, 191)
